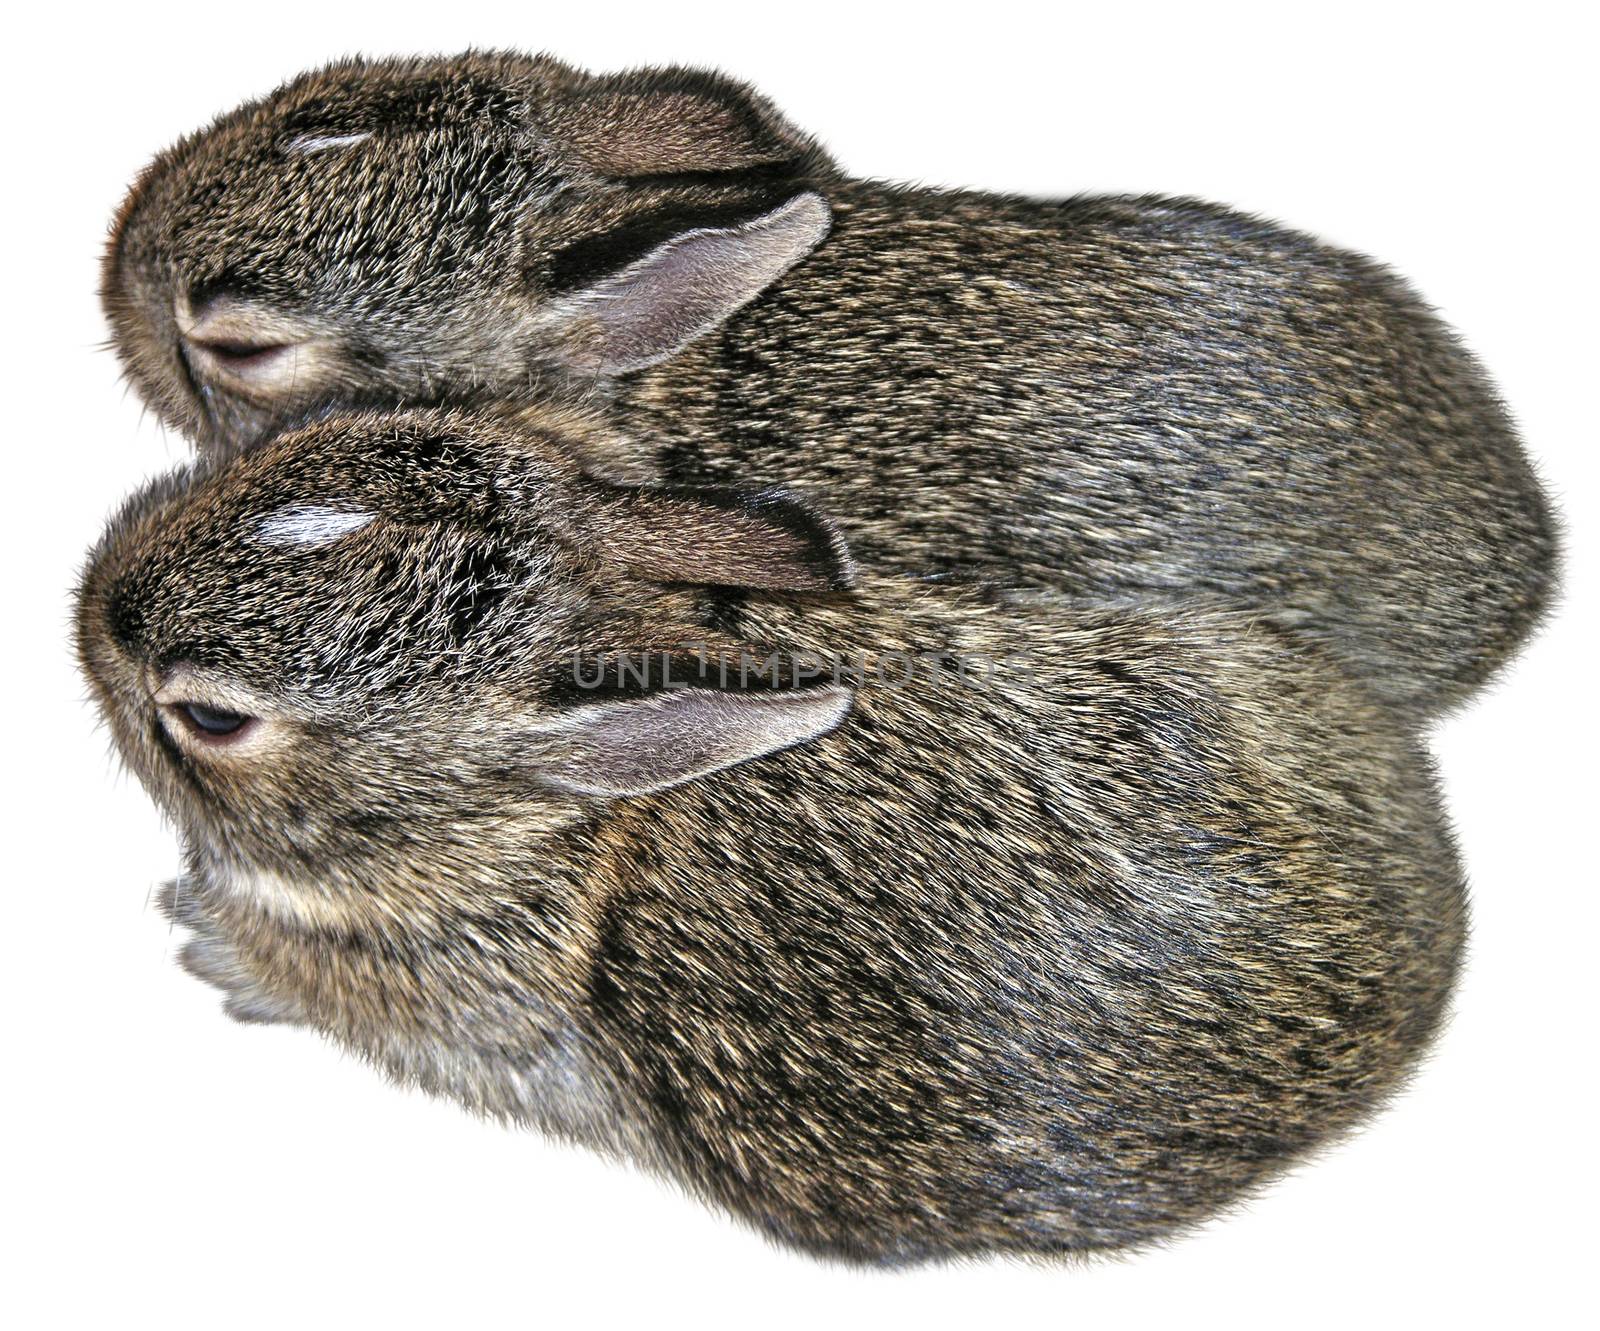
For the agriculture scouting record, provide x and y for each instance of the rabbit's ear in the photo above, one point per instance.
(677, 122)
(771, 540)
(687, 285)
(646, 744)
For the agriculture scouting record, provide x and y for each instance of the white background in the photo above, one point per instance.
(163, 1164)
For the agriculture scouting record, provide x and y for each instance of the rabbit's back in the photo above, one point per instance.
(1126, 396)
(1043, 975)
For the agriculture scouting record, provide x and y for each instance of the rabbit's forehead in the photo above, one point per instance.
(322, 503)
(402, 100)
(328, 592)
(312, 197)
(398, 135)
(289, 183)
(366, 527)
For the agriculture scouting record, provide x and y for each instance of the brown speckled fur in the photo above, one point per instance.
(1105, 397)
(1062, 964)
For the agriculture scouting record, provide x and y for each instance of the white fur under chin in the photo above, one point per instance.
(276, 895)
(558, 1090)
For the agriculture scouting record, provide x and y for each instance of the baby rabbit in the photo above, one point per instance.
(1112, 396)
(891, 963)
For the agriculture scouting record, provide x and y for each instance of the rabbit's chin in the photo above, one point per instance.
(276, 894)
(215, 877)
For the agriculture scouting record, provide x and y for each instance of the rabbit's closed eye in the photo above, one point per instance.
(241, 347)
(239, 355)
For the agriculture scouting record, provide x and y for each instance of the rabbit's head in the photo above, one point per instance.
(354, 647)
(421, 231)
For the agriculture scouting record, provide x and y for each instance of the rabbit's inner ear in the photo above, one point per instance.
(683, 288)
(770, 540)
(643, 745)
(676, 122)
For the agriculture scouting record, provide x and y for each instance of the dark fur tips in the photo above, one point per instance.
(825, 553)
(771, 540)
